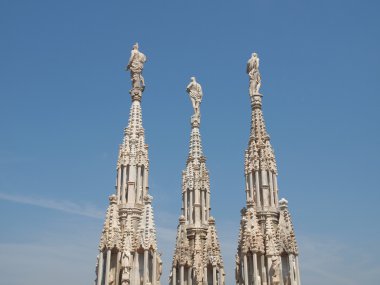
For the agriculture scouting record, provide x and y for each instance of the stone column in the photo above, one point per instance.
(255, 272)
(137, 269)
(133, 194)
(146, 276)
(100, 269)
(203, 207)
(271, 188)
(185, 204)
(197, 206)
(257, 185)
(207, 205)
(118, 268)
(124, 185)
(154, 269)
(205, 275)
(118, 184)
(174, 276)
(251, 185)
(108, 263)
(247, 187)
(264, 181)
(181, 275)
(298, 272)
(269, 260)
(191, 206)
(214, 281)
(292, 281)
(263, 270)
(245, 269)
(146, 183)
(281, 274)
(189, 276)
(275, 188)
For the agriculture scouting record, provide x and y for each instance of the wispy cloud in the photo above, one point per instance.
(58, 205)
(329, 261)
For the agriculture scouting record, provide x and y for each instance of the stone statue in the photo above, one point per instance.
(125, 268)
(159, 271)
(111, 280)
(195, 92)
(275, 271)
(136, 66)
(254, 74)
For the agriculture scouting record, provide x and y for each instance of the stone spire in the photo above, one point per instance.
(267, 250)
(197, 259)
(128, 248)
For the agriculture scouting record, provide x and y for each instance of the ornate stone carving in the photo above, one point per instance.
(275, 270)
(136, 66)
(194, 89)
(254, 75)
(126, 268)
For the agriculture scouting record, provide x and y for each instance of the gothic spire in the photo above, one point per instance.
(197, 253)
(267, 250)
(128, 248)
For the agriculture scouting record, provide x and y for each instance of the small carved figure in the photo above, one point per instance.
(258, 279)
(125, 268)
(195, 92)
(254, 74)
(275, 270)
(136, 66)
(159, 271)
(111, 280)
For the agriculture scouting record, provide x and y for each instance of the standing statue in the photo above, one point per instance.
(136, 66)
(125, 268)
(275, 271)
(195, 92)
(254, 74)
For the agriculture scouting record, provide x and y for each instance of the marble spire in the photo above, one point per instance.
(197, 259)
(128, 249)
(267, 251)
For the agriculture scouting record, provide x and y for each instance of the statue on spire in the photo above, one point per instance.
(254, 74)
(194, 89)
(136, 66)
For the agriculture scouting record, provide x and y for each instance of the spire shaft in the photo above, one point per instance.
(129, 230)
(266, 237)
(197, 250)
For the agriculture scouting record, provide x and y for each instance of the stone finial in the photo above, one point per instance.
(182, 219)
(136, 66)
(112, 199)
(283, 204)
(194, 89)
(254, 75)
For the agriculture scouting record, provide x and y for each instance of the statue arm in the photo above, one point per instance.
(188, 86)
(130, 59)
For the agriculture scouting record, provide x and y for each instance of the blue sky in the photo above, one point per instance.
(65, 102)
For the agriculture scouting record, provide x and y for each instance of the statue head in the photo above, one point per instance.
(136, 46)
(254, 54)
(192, 78)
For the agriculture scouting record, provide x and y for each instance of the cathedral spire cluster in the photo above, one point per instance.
(267, 252)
